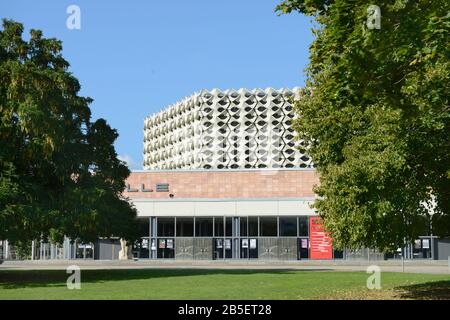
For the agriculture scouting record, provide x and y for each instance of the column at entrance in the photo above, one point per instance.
(153, 235)
(235, 234)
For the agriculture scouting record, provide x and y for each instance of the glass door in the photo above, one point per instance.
(166, 248)
(244, 248)
(303, 248)
(228, 245)
(218, 248)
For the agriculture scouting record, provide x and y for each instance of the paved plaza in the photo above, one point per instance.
(418, 266)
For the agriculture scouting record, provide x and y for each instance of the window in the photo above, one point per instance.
(166, 227)
(252, 226)
(288, 226)
(303, 226)
(243, 226)
(185, 227)
(144, 227)
(162, 187)
(268, 226)
(142, 248)
(203, 227)
(228, 226)
(218, 226)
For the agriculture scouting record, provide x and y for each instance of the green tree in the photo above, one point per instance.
(59, 171)
(375, 114)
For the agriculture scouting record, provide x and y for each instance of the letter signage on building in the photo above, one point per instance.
(320, 242)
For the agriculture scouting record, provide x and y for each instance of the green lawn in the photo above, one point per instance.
(219, 284)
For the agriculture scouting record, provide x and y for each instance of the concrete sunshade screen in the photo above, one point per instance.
(225, 130)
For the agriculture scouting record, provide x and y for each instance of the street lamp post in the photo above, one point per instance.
(431, 234)
(430, 206)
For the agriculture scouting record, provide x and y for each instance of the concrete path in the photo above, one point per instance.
(421, 266)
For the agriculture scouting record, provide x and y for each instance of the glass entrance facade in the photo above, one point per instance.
(224, 237)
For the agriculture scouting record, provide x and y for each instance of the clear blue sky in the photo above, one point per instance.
(136, 57)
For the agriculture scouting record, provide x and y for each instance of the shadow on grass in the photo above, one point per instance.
(436, 290)
(15, 279)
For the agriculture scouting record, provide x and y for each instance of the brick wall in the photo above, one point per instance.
(225, 184)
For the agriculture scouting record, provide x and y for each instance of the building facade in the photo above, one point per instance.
(228, 214)
(227, 178)
(225, 130)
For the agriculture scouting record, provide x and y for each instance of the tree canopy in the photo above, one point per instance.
(375, 113)
(59, 171)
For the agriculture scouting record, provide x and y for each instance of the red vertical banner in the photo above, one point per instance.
(320, 242)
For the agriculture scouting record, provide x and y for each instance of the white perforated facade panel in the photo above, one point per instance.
(225, 130)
